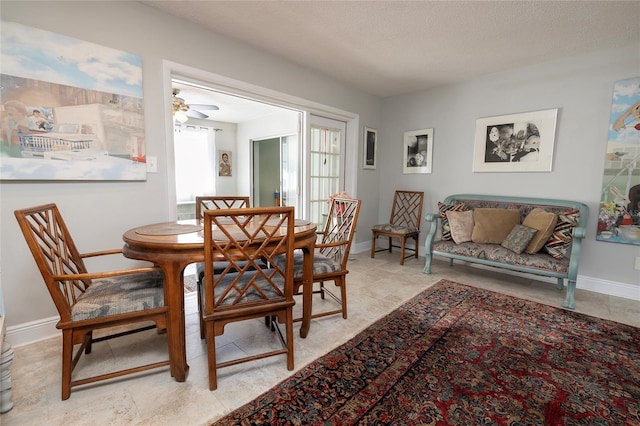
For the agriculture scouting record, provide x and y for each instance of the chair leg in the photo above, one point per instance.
(200, 320)
(390, 244)
(289, 327)
(373, 245)
(87, 349)
(416, 253)
(343, 297)
(211, 356)
(67, 360)
(403, 241)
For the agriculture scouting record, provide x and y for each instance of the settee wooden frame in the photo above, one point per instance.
(579, 232)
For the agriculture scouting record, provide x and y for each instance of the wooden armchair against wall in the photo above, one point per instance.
(404, 224)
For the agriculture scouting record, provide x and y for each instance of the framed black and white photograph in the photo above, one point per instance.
(370, 147)
(515, 142)
(418, 151)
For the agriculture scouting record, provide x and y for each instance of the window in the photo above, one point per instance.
(325, 166)
(195, 162)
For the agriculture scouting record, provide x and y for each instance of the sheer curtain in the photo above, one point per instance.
(195, 161)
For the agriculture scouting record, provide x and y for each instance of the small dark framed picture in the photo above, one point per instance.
(370, 147)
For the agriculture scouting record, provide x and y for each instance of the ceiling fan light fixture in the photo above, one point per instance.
(182, 111)
(180, 116)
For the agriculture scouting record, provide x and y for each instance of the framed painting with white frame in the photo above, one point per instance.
(418, 151)
(520, 142)
(370, 148)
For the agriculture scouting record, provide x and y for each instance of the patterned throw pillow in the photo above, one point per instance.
(444, 208)
(519, 238)
(562, 237)
(461, 224)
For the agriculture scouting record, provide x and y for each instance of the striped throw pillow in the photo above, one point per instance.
(562, 237)
(444, 208)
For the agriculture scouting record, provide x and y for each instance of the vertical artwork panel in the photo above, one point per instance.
(619, 214)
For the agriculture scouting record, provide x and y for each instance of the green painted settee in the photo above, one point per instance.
(570, 230)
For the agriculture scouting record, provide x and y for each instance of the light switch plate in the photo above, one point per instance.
(152, 165)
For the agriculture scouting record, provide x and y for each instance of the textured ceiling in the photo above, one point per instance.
(388, 48)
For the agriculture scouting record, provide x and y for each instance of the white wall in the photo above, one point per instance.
(580, 87)
(99, 212)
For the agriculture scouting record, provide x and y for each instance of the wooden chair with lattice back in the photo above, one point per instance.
(404, 224)
(88, 301)
(215, 202)
(331, 256)
(246, 291)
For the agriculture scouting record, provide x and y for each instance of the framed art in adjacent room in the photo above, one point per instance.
(418, 151)
(515, 142)
(370, 147)
(224, 162)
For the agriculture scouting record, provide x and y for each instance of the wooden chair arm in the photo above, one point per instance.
(105, 274)
(100, 253)
(333, 244)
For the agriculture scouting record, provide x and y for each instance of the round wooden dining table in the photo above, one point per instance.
(174, 245)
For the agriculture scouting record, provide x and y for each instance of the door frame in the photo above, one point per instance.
(258, 93)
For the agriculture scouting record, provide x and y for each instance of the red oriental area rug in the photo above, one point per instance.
(460, 355)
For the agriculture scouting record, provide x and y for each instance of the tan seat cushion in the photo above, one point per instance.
(492, 225)
(544, 222)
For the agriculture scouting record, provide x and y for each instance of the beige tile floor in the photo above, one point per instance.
(375, 287)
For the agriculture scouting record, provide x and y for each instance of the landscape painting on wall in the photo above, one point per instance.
(69, 109)
(619, 215)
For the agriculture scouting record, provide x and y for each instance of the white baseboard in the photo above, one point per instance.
(31, 332)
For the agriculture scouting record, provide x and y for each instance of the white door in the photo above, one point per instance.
(326, 164)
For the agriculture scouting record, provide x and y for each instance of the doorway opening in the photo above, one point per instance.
(276, 186)
(239, 137)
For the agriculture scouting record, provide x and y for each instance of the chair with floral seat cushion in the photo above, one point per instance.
(90, 301)
(244, 292)
(404, 224)
(331, 255)
(216, 202)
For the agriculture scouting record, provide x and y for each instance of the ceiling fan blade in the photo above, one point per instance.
(195, 114)
(204, 107)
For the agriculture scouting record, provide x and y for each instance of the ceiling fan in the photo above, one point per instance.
(182, 111)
